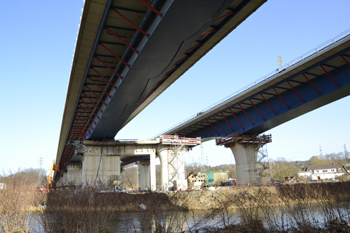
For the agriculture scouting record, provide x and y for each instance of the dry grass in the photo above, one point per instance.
(311, 207)
(16, 203)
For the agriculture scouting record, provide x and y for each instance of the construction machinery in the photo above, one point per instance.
(49, 187)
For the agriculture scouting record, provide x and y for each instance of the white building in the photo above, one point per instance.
(322, 172)
(2, 185)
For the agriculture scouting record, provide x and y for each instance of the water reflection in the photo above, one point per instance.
(170, 221)
(183, 221)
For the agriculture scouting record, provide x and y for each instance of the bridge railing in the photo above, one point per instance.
(311, 53)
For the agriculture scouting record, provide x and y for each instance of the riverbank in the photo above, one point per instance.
(282, 208)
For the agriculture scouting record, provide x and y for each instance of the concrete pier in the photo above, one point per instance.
(144, 174)
(102, 161)
(74, 174)
(245, 157)
(172, 153)
(245, 150)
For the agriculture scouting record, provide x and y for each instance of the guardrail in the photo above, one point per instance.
(311, 53)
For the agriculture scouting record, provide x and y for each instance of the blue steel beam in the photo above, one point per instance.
(283, 105)
(312, 99)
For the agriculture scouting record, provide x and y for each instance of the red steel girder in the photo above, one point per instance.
(205, 128)
(77, 117)
(193, 132)
(257, 109)
(121, 40)
(150, 7)
(179, 61)
(95, 94)
(268, 103)
(103, 77)
(99, 87)
(295, 91)
(220, 125)
(246, 114)
(84, 118)
(329, 75)
(224, 16)
(92, 102)
(227, 121)
(281, 97)
(345, 60)
(116, 56)
(120, 14)
(213, 127)
(78, 125)
(200, 131)
(236, 119)
(190, 49)
(204, 35)
(87, 113)
(90, 108)
(109, 67)
(311, 84)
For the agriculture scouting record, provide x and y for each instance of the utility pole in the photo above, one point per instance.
(346, 152)
(40, 163)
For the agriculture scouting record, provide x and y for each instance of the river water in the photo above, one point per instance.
(144, 222)
(179, 221)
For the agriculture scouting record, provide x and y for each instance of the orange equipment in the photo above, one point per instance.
(53, 168)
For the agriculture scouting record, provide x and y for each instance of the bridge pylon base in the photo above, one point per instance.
(245, 150)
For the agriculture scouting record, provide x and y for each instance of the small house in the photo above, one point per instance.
(322, 172)
(210, 178)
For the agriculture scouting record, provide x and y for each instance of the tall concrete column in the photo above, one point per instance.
(163, 157)
(152, 158)
(144, 174)
(245, 150)
(172, 160)
(245, 157)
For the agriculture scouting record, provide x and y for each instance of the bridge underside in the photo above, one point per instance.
(129, 52)
(325, 81)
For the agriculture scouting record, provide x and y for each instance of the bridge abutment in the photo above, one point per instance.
(245, 150)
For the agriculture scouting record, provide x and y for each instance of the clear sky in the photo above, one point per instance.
(37, 42)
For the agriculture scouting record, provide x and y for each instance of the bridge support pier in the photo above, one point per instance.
(101, 166)
(74, 174)
(101, 170)
(245, 157)
(245, 150)
(172, 161)
(102, 159)
(144, 174)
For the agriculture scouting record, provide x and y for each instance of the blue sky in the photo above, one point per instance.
(37, 43)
